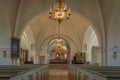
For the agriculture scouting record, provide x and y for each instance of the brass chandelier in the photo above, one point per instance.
(60, 11)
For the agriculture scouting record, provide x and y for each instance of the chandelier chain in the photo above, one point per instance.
(59, 31)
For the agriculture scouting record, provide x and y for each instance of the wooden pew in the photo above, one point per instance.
(76, 74)
(91, 72)
(24, 72)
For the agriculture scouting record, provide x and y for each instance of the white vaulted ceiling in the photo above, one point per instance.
(74, 28)
(16, 16)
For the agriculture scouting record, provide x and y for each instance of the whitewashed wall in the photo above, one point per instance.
(114, 37)
(5, 38)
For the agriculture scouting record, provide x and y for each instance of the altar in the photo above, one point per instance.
(58, 61)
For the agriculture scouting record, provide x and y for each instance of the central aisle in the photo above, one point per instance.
(58, 72)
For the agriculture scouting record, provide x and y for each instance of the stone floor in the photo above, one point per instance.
(60, 73)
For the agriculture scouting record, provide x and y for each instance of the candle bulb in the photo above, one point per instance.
(54, 6)
(69, 10)
(50, 9)
(65, 7)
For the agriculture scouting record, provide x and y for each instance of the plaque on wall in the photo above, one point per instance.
(15, 47)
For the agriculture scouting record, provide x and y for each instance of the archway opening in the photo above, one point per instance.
(59, 51)
(27, 47)
(91, 46)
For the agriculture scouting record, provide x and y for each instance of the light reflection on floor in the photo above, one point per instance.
(58, 74)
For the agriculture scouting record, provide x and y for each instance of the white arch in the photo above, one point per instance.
(28, 42)
(90, 41)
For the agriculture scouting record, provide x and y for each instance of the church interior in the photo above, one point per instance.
(59, 39)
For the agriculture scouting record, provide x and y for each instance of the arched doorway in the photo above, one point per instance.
(58, 51)
(92, 47)
(27, 47)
